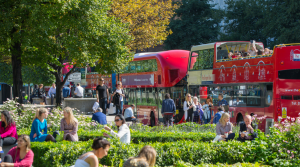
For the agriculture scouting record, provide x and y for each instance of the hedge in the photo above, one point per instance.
(140, 137)
(65, 153)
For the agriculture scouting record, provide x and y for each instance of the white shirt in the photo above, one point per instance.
(128, 113)
(123, 134)
(79, 91)
(206, 111)
(252, 52)
(186, 108)
(51, 91)
(120, 92)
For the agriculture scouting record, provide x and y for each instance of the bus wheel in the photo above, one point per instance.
(239, 118)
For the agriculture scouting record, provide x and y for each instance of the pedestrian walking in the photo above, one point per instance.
(168, 109)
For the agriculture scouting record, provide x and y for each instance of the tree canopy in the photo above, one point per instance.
(148, 20)
(269, 21)
(34, 75)
(50, 33)
(195, 22)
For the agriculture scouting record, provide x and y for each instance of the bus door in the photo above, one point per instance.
(146, 106)
(177, 94)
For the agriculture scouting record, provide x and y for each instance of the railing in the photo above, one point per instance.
(242, 58)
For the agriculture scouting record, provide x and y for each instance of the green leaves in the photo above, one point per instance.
(194, 22)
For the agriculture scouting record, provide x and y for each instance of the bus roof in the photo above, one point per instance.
(202, 47)
(228, 43)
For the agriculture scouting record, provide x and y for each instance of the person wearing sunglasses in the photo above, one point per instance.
(102, 95)
(20, 155)
(123, 130)
(188, 107)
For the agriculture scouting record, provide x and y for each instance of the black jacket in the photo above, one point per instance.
(40, 92)
(244, 128)
(116, 99)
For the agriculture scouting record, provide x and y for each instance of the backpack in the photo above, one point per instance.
(217, 118)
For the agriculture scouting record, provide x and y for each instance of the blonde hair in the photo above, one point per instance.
(147, 154)
(73, 120)
(187, 98)
(26, 139)
(222, 121)
(36, 114)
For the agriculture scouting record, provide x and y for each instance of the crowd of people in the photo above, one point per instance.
(252, 51)
(202, 114)
(194, 111)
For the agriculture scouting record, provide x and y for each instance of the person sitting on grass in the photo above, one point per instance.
(146, 158)
(90, 159)
(20, 155)
(69, 125)
(247, 130)
(123, 130)
(99, 117)
(8, 131)
(39, 128)
(224, 128)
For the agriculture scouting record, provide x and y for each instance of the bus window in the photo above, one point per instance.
(296, 97)
(150, 96)
(253, 97)
(240, 98)
(202, 59)
(287, 97)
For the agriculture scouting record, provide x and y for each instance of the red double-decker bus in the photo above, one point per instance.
(149, 76)
(265, 85)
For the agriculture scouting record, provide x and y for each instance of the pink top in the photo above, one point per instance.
(26, 161)
(9, 131)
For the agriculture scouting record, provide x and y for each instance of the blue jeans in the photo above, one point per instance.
(206, 121)
(103, 104)
(119, 109)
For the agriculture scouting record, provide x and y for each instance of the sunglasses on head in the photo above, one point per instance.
(116, 120)
(101, 80)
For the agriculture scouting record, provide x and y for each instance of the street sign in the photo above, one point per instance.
(75, 77)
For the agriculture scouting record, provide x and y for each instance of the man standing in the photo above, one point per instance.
(128, 114)
(66, 91)
(102, 95)
(78, 91)
(222, 102)
(168, 109)
(52, 93)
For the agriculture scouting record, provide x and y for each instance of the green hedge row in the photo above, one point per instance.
(65, 153)
(139, 137)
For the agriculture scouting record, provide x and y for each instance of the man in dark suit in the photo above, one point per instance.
(247, 130)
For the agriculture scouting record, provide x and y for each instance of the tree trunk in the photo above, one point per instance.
(59, 86)
(17, 70)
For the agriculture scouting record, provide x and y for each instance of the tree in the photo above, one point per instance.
(244, 21)
(195, 22)
(282, 22)
(50, 33)
(147, 19)
(34, 75)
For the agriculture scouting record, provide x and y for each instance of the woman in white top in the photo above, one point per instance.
(123, 130)
(188, 106)
(119, 108)
(90, 159)
(252, 49)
